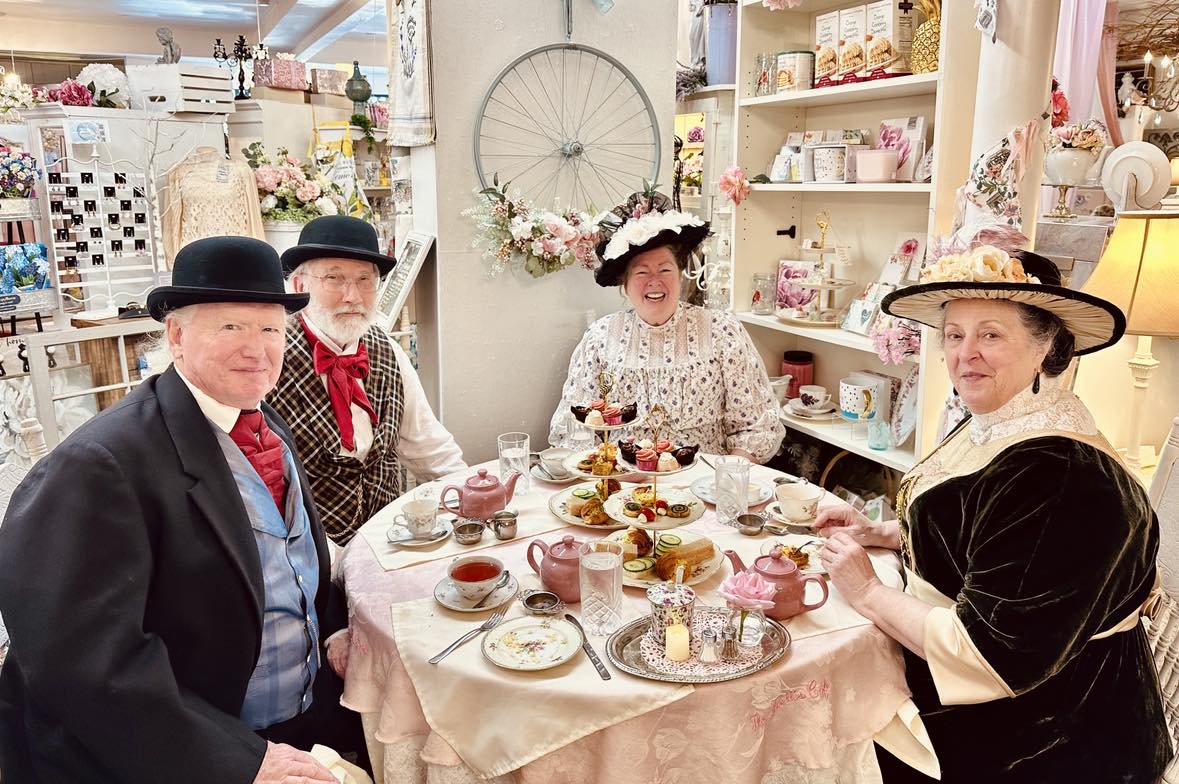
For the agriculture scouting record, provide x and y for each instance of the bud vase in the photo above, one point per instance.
(750, 625)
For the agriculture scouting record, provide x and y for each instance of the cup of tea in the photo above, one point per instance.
(813, 396)
(418, 517)
(474, 575)
(799, 502)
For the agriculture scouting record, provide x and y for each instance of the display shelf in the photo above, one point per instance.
(923, 188)
(832, 336)
(709, 89)
(853, 437)
(877, 90)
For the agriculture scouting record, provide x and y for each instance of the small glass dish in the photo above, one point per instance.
(542, 603)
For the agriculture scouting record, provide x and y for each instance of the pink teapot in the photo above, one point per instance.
(481, 495)
(559, 569)
(784, 574)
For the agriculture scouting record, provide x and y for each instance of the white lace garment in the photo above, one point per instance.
(700, 365)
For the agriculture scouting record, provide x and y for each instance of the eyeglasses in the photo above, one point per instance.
(337, 284)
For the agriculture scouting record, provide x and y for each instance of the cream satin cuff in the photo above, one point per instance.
(960, 673)
(906, 739)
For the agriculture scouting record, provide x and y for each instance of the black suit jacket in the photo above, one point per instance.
(132, 589)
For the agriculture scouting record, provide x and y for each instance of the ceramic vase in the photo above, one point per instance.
(1068, 166)
(282, 235)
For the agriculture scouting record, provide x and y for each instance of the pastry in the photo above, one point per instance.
(691, 555)
(631, 509)
(679, 511)
(579, 412)
(607, 487)
(598, 405)
(593, 513)
(667, 462)
(628, 448)
(645, 443)
(663, 445)
(612, 415)
(586, 465)
(644, 494)
(647, 460)
(594, 418)
(630, 412)
(801, 559)
(577, 500)
(602, 468)
(640, 539)
(686, 454)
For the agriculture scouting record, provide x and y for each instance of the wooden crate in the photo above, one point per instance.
(181, 88)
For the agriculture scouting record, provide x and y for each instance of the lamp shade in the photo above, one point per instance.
(1139, 272)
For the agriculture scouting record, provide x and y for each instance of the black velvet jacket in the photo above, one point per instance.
(1048, 544)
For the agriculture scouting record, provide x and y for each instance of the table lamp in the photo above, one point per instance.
(1139, 272)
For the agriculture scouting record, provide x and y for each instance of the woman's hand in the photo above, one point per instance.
(849, 567)
(285, 764)
(338, 647)
(845, 520)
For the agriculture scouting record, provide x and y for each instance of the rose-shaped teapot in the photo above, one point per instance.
(559, 568)
(481, 495)
(783, 574)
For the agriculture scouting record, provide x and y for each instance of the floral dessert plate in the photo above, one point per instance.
(661, 516)
(704, 488)
(698, 575)
(795, 546)
(531, 643)
(559, 506)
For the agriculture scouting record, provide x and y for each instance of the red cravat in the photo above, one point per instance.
(264, 451)
(343, 383)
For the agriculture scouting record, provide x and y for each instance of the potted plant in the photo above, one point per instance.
(290, 194)
(1076, 152)
(18, 176)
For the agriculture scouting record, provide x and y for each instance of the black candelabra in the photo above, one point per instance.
(241, 54)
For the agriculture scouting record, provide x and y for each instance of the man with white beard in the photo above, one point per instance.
(352, 397)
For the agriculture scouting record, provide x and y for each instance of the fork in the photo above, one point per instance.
(486, 626)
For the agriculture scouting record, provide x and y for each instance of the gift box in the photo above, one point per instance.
(281, 73)
(378, 112)
(328, 80)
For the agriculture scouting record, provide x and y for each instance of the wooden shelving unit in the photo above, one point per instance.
(867, 217)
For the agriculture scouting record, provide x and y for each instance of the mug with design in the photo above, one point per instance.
(857, 401)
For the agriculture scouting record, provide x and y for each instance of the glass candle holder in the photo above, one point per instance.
(762, 299)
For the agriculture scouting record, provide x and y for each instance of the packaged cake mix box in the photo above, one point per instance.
(826, 48)
(852, 24)
(888, 39)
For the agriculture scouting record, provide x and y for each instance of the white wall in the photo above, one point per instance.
(503, 345)
(122, 37)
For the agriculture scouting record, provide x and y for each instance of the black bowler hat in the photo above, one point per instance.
(224, 269)
(338, 237)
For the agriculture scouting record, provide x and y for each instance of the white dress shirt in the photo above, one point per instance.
(424, 446)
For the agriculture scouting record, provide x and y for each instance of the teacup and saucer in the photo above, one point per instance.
(796, 504)
(416, 525)
(475, 580)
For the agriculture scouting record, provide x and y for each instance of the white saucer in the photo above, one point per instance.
(400, 536)
(704, 488)
(774, 510)
(448, 596)
(798, 409)
(564, 480)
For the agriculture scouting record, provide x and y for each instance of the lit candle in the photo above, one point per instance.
(678, 643)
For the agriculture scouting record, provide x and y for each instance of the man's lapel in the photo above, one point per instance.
(214, 490)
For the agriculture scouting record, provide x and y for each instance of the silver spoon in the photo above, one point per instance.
(503, 580)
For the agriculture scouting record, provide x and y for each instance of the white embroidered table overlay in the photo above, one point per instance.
(815, 710)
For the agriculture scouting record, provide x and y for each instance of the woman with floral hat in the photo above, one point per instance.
(1029, 549)
(698, 363)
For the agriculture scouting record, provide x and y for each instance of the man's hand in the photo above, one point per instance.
(337, 652)
(285, 764)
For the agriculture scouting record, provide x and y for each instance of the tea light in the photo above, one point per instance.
(678, 647)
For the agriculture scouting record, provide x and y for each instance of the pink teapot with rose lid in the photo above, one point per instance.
(559, 568)
(783, 574)
(481, 495)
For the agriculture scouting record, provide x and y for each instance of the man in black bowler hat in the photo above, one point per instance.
(163, 572)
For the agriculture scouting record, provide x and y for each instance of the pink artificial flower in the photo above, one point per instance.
(307, 192)
(908, 247)
(733, 185)
(42, 94)
(267, 178)
(72, 93)
(748, 591)
(1059, 109)
(1065, 133)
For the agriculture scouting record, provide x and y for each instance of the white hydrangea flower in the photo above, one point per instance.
(325, 205)
(269, 202)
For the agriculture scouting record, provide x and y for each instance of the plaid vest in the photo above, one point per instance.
(347, 492)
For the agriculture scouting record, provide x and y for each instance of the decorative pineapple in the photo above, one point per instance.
(927, 38)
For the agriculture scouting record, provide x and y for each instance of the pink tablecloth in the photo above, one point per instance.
(808, 718)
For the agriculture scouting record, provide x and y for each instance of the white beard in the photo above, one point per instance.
(342, 329)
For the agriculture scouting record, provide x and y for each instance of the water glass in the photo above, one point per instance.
(879, 434)
(731, 488)
(513, 456)
(601, 587)
(581, 438)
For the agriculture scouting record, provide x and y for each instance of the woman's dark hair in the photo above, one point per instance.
(1046, 327)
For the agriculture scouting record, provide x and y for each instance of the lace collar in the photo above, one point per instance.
(1053, 408)
(666, 326)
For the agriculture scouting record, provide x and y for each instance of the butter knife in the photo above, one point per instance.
(589, 649)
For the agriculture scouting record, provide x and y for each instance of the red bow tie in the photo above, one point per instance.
(263, 449)
(344, 374)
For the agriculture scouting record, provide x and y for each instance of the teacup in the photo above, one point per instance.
(813, 396)
(553, 461)
(474, 575)
(418, 517)
(799, 502)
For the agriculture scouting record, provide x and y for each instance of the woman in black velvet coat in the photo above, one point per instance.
(1029, 549)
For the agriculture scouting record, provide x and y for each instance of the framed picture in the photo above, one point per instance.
(395, 289)
(860, 316)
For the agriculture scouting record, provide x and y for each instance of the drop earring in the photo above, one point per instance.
(954, 390)
(1036, 384)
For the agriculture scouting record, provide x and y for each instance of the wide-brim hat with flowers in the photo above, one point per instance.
(643, 222)
(988, 272)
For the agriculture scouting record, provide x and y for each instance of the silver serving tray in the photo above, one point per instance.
(623, 651)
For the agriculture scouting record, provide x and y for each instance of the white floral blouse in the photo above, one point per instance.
(701, 365)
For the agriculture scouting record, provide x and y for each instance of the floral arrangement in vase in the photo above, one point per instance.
(515, 235)
(1059, 104)
(747, 593)
(1089, 135)
(895, 339)
(289, 190)
(17, 95)
(18, 173)
(733, 185)
(693, 171)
